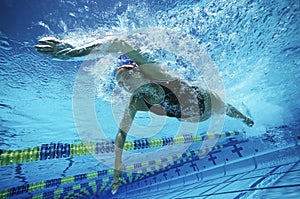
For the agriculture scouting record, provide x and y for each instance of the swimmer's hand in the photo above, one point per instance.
(117, 175)
(55, 48)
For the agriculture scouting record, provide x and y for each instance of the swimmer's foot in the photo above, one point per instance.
(248, 122)
(117, 175)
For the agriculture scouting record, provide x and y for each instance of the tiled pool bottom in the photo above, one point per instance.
(270, 182)
(267, 174)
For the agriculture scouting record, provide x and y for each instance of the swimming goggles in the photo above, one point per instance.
(119, 73)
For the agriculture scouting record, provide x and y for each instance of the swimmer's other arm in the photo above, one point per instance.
(124, 127)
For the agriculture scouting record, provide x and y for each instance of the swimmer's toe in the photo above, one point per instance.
(249, 122)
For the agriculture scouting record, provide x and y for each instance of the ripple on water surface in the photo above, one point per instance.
(5, 44)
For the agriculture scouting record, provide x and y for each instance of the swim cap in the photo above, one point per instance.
(120, 70)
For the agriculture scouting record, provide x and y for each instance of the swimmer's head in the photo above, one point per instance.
(122, 70)
(130, 77)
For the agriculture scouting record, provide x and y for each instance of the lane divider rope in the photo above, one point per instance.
(101, 181)
(63, 150)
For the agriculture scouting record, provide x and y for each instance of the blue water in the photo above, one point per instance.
(254, 45)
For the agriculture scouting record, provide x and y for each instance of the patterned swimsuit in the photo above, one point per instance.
(175, 99)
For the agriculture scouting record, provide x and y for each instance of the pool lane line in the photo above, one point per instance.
(64, 150)
(142, 170)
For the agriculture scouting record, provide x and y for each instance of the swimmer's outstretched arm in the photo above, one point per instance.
(61, 50)
(58, 49)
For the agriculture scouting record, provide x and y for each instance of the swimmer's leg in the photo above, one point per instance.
(231, 111)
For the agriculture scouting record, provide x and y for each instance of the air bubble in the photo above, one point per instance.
(5, 45)
(3, 60)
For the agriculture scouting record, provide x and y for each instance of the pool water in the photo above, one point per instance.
(254, 47)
